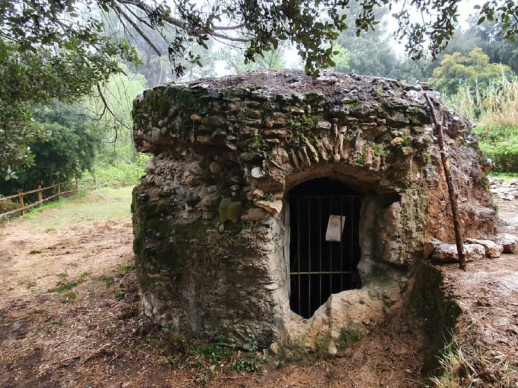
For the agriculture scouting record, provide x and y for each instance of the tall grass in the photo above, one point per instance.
(496, 111)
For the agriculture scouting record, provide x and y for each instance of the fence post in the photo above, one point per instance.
(20, 198)
(77, 185)
(95, 184)
(40, 195)
(59, 191)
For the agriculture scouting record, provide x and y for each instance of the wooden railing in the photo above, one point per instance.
(41, 199)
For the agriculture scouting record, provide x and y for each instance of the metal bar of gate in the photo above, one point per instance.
(320, 251)
(298, 253)
(330, 250)
(309, 255)
(341, 243)
(311, 209)
(352, 236)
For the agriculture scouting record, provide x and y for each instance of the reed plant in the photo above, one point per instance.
(495, 111)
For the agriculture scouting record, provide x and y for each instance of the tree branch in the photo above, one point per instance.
(138, 17)
(184, 26)
(138, 29)
(107, 108)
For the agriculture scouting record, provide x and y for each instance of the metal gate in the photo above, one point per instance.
(322, 262)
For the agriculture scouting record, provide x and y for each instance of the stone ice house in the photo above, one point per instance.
(291, 208)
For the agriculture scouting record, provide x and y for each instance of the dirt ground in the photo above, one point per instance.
(70, 316)
(488, 294)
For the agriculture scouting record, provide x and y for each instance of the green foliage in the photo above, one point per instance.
(67, 150)
(368, 52)
(496, 110)
(473, 72)
(47, 52)
(341, 57)
(76, 26)
(243, 364)
(108, 280)
(349, 336)
(7, 205)
(64, 285)
(500, 143)
(38, 76)
(118, 92)
(456, 367)
(232, 59)
(116, 151)
(119, 172)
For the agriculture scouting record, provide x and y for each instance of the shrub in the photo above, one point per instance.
(119, 173)
(496, 110)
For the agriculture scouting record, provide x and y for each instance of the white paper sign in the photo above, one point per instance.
(335, 227)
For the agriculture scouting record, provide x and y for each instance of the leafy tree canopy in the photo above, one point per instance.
(76, 24)
(67, 149)
(473, 72)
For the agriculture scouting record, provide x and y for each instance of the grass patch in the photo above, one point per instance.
(108, 280)
(465, 362)
(505, 176)
(103, 204)
(208, 357)
(124, 268)
(64, 285)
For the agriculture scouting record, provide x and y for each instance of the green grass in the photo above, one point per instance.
(103, 204)
(505, 176)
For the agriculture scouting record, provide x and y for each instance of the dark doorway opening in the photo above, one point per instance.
(324, 246)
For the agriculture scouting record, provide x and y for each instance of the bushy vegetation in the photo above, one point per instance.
(495, 110)
(119, 173)
(90, 137)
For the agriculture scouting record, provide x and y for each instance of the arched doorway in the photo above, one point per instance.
(324, 243)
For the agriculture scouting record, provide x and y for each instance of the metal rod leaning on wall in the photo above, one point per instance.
(449, 182)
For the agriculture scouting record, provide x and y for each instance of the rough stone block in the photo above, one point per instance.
(447, 253)
(508, 242)
(493, 250)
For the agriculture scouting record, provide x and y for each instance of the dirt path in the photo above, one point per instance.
(70, 316)
(488, 294)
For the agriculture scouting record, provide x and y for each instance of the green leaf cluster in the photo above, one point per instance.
(67, 149)
(473, 71)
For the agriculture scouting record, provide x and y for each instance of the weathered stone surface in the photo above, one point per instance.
(447, 253)
(212, 215)
(255, 214)
(210, 202)
(508, 191)
(257, 173)
(509, 242)
(274, 207)
(323, 125)
(215, 167)
(493, 250)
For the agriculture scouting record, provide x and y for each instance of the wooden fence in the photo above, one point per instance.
(41, 199)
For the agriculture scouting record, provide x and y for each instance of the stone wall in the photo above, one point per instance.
(211, 216)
